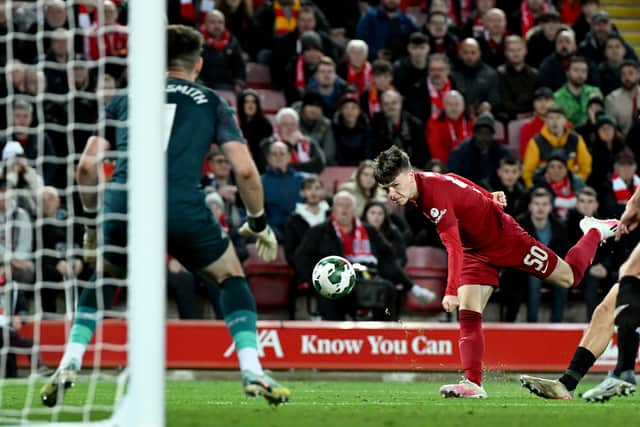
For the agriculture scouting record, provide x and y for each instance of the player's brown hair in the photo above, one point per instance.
(388, 165)
(184, 45)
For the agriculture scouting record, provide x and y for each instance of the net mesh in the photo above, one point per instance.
(62, 62)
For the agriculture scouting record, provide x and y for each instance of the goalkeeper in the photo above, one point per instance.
(197, 117)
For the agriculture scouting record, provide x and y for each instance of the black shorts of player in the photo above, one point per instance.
(194, 237)
(628, 302)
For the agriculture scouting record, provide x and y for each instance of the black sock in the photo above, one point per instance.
(582, 361)
(627, 349)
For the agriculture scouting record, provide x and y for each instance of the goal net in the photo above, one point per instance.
(62, 62)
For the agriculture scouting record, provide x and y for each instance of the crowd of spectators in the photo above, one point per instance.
(442, 79)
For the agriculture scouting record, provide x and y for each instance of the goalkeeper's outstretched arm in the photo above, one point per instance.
(88, 172)
(247, 176)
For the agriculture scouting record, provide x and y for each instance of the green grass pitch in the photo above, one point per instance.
(361, 403)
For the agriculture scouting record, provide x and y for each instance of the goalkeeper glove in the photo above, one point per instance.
(266, 243)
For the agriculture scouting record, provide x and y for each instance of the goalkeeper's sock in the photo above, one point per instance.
(627, 350)
(471, 345)
(582, 361)
(581, 255)
(239, 310)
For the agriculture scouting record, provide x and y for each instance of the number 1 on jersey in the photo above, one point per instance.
(169, 116)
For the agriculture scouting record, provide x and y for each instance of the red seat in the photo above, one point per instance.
(333, 176)
(270, 282)
(515, 126)
(435, 285)
(258, 76)
(229, 95)
(272, 100)
(426, 262)
(499, 133)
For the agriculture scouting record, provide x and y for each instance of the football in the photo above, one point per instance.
(333, 277)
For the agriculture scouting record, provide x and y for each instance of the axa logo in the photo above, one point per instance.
(267, 338)
(436, 214)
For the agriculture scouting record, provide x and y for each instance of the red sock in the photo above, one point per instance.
(580, 256)
(471, 345)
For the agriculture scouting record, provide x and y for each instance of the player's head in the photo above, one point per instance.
(392, 170)
(184, 45)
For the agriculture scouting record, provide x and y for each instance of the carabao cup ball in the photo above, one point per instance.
(333, 277)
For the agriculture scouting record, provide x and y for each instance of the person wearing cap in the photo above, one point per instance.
(316, 125)
(605, 145)
(516, 82)
(412, 68)
(223, 66)
(301, 67)
(478, 158)
(541, 38)
(556, 135)
(382, 78)
(542, 101)
(356, 70)
(385, 29)
(623, 183)
(609, 70)
(326, 82)
(426, 97)
(492, 39)
(574, 96)
(352, 132)
(624, 103)
(449, 128)
(593, 45)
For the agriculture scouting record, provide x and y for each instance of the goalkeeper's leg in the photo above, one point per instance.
(239, 310)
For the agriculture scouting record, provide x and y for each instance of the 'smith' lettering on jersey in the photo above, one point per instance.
(190, 91)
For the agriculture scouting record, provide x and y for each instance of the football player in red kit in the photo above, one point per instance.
(480, 240)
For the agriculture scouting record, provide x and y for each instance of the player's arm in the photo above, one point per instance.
(631, 216)
(497, 197)
(450, 237)
(88, 172)
(247, 176)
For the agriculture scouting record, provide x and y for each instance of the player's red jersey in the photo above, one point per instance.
(480, 238)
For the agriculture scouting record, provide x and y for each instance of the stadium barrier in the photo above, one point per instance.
(344, 346)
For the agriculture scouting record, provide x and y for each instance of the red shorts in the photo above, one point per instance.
(512, 248)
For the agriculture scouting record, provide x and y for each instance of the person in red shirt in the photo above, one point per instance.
(447, 129)
(480, 239)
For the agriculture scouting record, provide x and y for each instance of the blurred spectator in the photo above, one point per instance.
(516, 82)
(624, 102)
(541, 39)
(343, 16)
(223, 66)
(36, 145)
(35, 84)
(507, 180)
(356, 70)
(412, 68)
(574, 95)
(56, 63)
(181, 285)
(316, 125)
(433, 88)
(596, 277)
(16, 239)
(623, 183)
(254, 124)
(582, 25)
(376, 214)
(218, 208)
(588, 128)
(311, 212)
(290, 45)
(302, 67)
(555, 135)
(541, 224)
(382, 76)
(609, 70)
(85, 108)
(352, 132)
(478, 158)
(344, 235)
(593, 45)
(305, 154)
(21, 178)
(492, 40)
(55, 17)
(281, 183)
(449, 128)
(542, 101)
(450, 9)
(475, 79)
(112, 42)
(394, 126)
(474, 26)
(605, 146)
(364, 187)
(238, 21)
(183, 12)
(219, 178)
(326, 82)
(278, 18)
(385, 29)
(525, 18)
(440, 39)
(561, 183)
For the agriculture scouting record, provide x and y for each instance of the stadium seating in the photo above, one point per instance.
(270, 282)
(427, 267)
(272, 100)
(500, 133)
(229, 95)
(514, 136)
(333, 176)
(258, 76)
